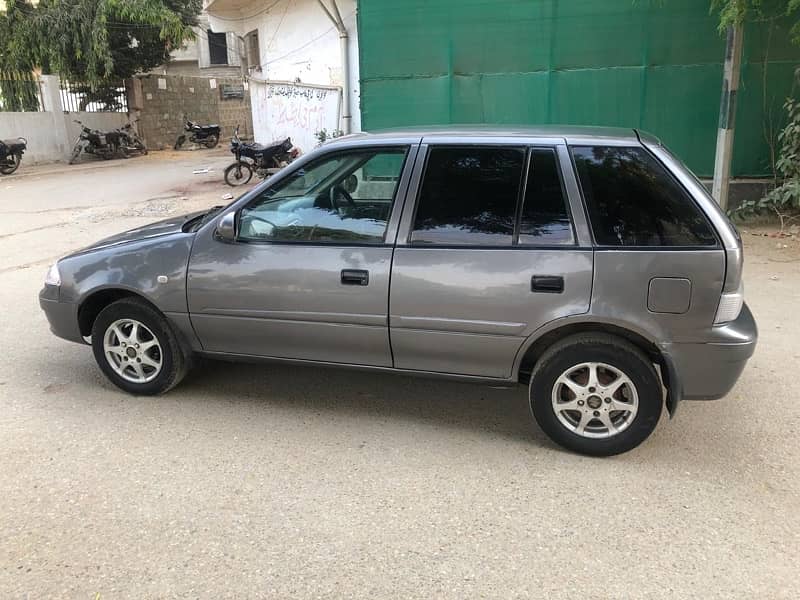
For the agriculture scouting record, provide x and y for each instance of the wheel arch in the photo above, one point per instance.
(538, 343)
(90, 306)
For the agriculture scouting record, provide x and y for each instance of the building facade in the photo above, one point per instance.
(651, 65)
(292, 51)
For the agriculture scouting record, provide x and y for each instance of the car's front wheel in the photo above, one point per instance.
(596, 394)
(137, 349)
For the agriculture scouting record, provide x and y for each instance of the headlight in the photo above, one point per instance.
(53, 277)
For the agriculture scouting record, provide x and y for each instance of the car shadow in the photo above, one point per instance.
(432, 402)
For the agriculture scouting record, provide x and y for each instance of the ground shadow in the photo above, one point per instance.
(455, 405)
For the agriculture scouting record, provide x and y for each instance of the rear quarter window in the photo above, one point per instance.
(634, 201)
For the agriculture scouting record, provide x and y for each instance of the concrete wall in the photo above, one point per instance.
(51, 133)
(162, 100)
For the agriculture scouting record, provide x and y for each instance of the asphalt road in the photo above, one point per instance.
(287, 482)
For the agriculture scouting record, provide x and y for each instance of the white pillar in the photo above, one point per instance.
(727, 116)
(51, 102)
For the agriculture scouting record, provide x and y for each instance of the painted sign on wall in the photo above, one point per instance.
(293, 110)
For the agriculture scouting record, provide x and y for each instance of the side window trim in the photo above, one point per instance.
(569, 184)
(523, 189)
(568, 204)
(398, 202)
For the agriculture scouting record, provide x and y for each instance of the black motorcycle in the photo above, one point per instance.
(106, 145)
(263, 160)
(205, 135)
(131, 143)
(11, 154)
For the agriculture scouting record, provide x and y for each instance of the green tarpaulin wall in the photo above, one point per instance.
(650, 64)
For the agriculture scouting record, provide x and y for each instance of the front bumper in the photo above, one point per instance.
(62, 316)
(708, 371)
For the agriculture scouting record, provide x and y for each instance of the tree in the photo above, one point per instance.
(96, 41)
(738, 12)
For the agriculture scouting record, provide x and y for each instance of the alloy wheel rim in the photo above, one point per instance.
(595, 400)
(133, 351)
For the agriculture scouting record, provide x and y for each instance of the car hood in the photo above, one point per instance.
(153, 230)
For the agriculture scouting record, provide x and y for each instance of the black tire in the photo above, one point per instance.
(239, 173)
(614, 352)
(175, 361)
(211, 141)
(76, 152)
(8, 169)
(179, 142)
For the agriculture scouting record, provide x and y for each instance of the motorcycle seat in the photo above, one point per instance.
(14, 145)
(278, 145)
(255, 147)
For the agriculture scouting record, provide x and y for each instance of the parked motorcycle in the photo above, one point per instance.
(131, 143)
(11, 154)
(263, 160)
(205, 135)
(106, 145)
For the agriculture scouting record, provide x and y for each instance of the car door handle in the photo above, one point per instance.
(547, 284)
(355, 277)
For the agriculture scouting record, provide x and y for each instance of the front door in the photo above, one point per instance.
(308, 274)
(488, 254)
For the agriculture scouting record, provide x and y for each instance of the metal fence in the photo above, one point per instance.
(20, 92)
(81, 97)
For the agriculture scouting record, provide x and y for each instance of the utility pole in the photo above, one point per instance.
(727, 115)
(336, 19)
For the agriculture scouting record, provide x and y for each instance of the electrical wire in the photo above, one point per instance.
(261, 12)
(304, 46)
(278, 28)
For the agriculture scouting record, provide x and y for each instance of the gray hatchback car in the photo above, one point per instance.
(587, 263)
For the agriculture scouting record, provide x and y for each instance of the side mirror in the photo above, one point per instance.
(226, 227)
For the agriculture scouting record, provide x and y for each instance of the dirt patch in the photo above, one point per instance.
(766, 242)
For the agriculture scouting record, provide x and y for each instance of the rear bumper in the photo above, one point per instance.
(709, 371)
(62, 316)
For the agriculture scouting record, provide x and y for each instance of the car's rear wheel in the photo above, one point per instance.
(137, 349)
(596, 394)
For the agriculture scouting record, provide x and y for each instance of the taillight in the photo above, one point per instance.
(730, 305)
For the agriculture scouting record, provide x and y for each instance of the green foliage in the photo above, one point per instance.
(785, 198)
(95, 41)
(323, 135)
(737, 12)
(19, 92)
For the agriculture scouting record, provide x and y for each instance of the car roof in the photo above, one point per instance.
(567, 132)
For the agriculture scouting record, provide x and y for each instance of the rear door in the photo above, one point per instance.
(493, 247)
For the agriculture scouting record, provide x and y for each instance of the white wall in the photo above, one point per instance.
(293, 110)
(296, 40)
(51, 134)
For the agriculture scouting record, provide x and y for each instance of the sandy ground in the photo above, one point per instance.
(270, 481)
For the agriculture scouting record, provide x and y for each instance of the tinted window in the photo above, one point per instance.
(633, 200)
(544, 218)
(333, 199)
(469, 196)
